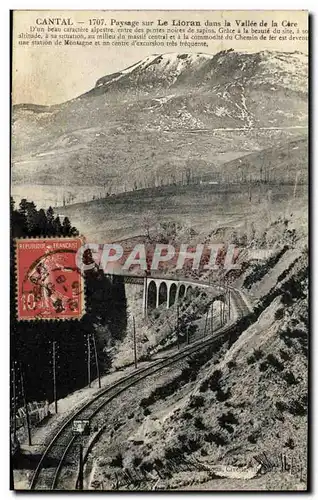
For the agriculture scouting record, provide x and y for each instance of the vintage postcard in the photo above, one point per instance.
(159, 251)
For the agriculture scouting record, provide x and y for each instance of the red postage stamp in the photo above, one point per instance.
(49, 284)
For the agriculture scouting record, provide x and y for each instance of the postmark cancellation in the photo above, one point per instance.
(49, 284)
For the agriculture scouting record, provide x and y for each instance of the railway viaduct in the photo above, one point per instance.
(168, 291)
(158, 291)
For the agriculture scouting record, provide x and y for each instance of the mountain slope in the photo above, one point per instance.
(158, 115)
(204, 206)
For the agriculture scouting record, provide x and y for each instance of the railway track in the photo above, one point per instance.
(241, 305)
(63, 449)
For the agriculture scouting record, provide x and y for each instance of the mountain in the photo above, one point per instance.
(173, 70)
(150, 123)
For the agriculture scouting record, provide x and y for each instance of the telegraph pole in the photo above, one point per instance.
(223, 313)
(135, 347)
(178, 340)
(206, 322)
(89, 360)
(80, 474)
(14, 404)
(146, 294)
(25, 404)
(96, 360)
(54, 374)
(212, 318)
(221, 317)
(229, 303)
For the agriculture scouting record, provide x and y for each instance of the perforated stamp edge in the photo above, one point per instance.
(16, 274)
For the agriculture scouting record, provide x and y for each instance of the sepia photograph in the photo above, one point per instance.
(159, 297)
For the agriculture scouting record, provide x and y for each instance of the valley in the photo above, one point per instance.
(179, 148)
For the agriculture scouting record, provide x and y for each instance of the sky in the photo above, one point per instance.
(53, 74)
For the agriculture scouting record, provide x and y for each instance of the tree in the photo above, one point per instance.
(147, 223)
(31, 341)
(41, 222)
(31, 217)
(23, 207)
(57, 227)
(66, 227)
(188, 174)
(18, 220)
(50, 219)
(168, 231)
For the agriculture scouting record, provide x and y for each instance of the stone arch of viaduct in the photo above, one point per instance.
(166, 291)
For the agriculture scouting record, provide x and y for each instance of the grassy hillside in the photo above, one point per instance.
(204, 207)
(280, 163)
(217, 414)
(199, 207)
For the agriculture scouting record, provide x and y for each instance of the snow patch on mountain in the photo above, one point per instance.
(109, 79)
(283, 69)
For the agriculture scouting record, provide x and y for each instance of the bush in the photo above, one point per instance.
(158, 463)
(146, 466)
(222, 395)
(196, 401)
(186, 415)
(273, 361)
(288, 342)
(214, 381)
(290, 443)
(182, 438)
(257, 354)
(145, 402)
(263, 367)
(204, 386)
(287, 298)
(279, 314)
(138, 442)
(136, 461)
(281, 406)
(231, 364)
(297, 408)
(290, 378)
(284, 355)
(227, 418)
(214, 437)
(252, 438)
(171, 453)
(198, 423)
(296, 333)
(117, 461)
(193, 445)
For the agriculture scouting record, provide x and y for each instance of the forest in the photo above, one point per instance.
(31, 342)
